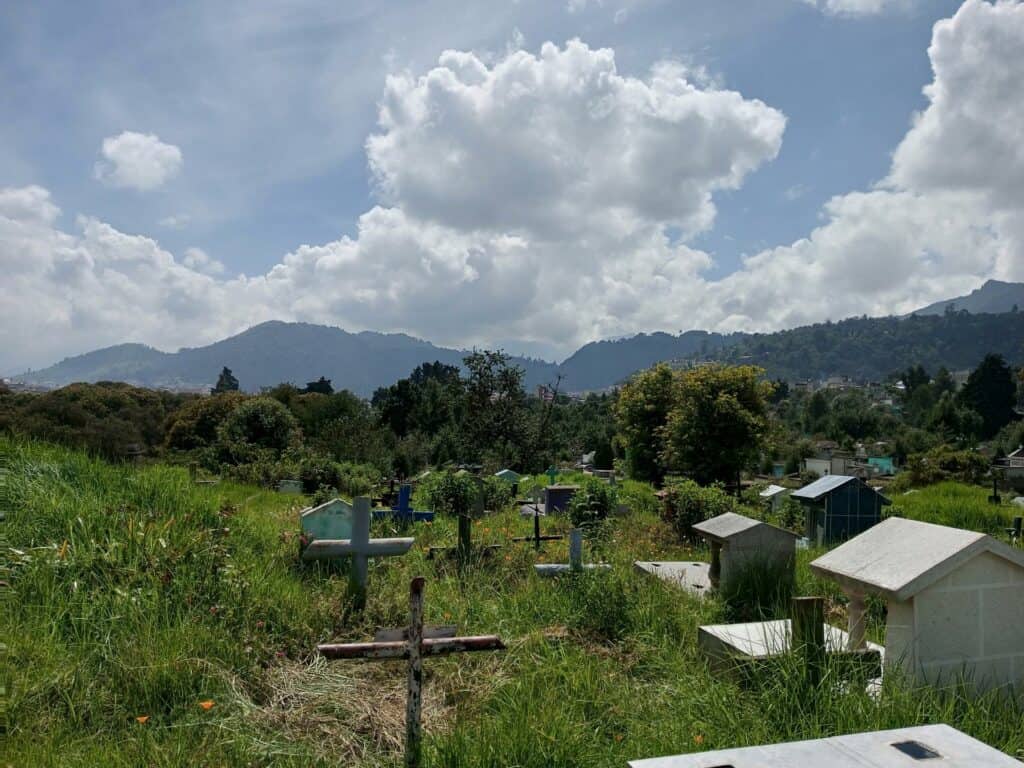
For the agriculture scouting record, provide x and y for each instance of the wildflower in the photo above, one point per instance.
(142, 719)
(447, 616)
(213, 610)
(260, 624)
(63, 550)
(698, 739)
(207, 704)
(618, 737)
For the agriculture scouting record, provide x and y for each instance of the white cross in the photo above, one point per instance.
(575, 559)
(360, 548)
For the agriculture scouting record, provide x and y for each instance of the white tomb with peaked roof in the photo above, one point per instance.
(332, 520)
(738, 542)
(955, 599)
(939, 745)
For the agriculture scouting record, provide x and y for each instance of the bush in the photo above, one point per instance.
(688, 503)
(497, 494)
(257, 427)
(941, 464)
(195, 425)
(593, 502)
(449, 493)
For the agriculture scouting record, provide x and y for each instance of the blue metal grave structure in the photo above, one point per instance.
(403, 511)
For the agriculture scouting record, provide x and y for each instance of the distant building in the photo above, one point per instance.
(838, 507)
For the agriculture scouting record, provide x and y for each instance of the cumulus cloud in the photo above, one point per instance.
(552, 199)
(137, 160)
(855, 8)
(200, 261)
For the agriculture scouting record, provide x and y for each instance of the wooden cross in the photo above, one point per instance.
(360, 548)
(412, 643)
(536, 538)
(575, 564)
(464, 548)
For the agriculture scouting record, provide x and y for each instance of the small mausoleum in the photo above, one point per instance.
(332, 520)
(939, 745)
(738, 542)
(773, 496)
(839, 507)
(557, 497)
(955, 599)
(509, 476)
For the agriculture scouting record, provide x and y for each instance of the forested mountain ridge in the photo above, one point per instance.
(869, 349)
(994, 297)
(862, 348)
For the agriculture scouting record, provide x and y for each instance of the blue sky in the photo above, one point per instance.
(260, 118)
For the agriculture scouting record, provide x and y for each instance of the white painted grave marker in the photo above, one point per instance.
(359, 547)
(575, 563)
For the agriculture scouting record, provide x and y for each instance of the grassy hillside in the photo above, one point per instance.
(152, 622)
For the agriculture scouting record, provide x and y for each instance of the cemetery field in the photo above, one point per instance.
(150, 621)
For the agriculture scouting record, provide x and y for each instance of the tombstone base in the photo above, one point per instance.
(558, 569)
(727, 645)
(691, 576)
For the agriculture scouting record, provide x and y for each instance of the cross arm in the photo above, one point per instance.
(399, 649)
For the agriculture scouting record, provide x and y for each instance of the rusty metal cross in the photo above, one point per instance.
(412, 643)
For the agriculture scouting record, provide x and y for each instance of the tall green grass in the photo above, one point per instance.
(137, 594)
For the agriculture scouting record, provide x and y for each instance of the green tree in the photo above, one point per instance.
(953, 421)
(718, 423)
(641, 413)
(226, 382)
(257, 428)
(494, 424)
(991, 391)
(195, 425)
(321, 386)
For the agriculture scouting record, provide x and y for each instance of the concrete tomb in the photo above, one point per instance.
(575, 563)
(955, 600)
(726, 645)
(739, 543)
(691, 576)
(331, 520)
(773, 496)
(939, 745)
(557, 497)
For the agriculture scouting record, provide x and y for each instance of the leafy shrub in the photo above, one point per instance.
(687, 503)
(497, 493)
(195, 425)
(449, 493)
(593, 502)
(258, 426)
(942, 464)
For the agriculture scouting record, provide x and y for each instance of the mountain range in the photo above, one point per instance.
(865, 348)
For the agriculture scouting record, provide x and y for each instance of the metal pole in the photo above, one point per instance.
(536, 528)
(414, 702)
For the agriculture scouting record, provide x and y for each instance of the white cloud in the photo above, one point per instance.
(175, 221)
(856, 8)
(137, 160)
(531, 198)
(198, 260)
